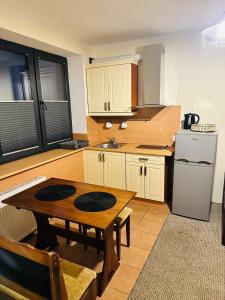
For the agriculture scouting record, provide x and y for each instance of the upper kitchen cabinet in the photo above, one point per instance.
(112, 88)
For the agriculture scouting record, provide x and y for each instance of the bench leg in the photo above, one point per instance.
(80, 228)
(128, 231)
(67, 226)
(98, 237)
(118, 241)
(85, 233)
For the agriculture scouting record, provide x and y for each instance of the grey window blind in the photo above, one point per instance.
(57, 121)
(17, 126)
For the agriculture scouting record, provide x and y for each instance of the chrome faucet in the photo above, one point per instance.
(112, 140)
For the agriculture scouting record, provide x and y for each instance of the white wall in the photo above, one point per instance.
(194, 79)
(77, 93)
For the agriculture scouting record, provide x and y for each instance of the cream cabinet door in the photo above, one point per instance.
(114, 170)
(97, 89)
(154, 181)
(93, 167)
(119, 77)
(135, 178)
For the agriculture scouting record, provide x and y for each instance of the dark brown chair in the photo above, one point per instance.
(121, 220)
(28, 273)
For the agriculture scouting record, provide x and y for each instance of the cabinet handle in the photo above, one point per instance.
(99, 157)
(105, 106)
(143, 159)
(109, 106)
(103, 157)
(140, 170)
(145, 171)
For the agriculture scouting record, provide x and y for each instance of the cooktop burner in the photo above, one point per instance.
(95, 201)
(55, 192)
(152, 147)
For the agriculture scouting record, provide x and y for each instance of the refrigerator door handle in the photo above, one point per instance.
(183, 160)
(201, 162)
(204, 162)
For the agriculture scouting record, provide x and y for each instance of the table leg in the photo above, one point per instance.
(111, 262)
(46, 236)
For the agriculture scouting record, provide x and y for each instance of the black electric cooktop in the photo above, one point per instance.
(153, 147)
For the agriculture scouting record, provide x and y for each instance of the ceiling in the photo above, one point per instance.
(97, 22)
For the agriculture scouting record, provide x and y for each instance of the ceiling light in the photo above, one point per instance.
(215, 35)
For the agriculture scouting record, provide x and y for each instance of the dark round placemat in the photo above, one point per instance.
(55, 192)
(95, 201)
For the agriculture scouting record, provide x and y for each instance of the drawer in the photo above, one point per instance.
(146, 158)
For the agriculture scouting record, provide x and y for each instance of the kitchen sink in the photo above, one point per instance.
(109, 146)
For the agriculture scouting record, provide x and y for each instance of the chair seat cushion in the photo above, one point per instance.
(77, 278)
(124, 214)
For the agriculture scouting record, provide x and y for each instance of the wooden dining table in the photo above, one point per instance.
(65, 210)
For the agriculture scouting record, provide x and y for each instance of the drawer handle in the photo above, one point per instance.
(143, 159)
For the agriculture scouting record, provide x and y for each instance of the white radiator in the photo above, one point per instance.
(15, 223)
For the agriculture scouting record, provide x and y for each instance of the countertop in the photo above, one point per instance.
(21, 165)
(132, 149)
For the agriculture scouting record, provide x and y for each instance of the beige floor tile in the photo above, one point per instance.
(112, 294)
(124, 278)
(139, 203)
(150, 226)
(156, 215)
(134, 221)
(160, 208)
(133, 256)
(139, 211)
(142, 239)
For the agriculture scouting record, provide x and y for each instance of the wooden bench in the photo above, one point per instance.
(28, 273)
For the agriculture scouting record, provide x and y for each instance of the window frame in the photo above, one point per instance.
(32, 63)
(42, 55)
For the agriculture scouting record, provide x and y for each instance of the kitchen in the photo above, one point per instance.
(193, 82)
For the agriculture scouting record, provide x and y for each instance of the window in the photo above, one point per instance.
(34, 101)
(53, 90)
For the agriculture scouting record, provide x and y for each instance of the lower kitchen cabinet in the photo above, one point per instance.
(135, 182)
(142, 174)
(114, 170)
(154, 182)
(105, 168)
(146, 176)
(93, 167)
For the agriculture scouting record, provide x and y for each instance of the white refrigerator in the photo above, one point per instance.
(194, 163)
